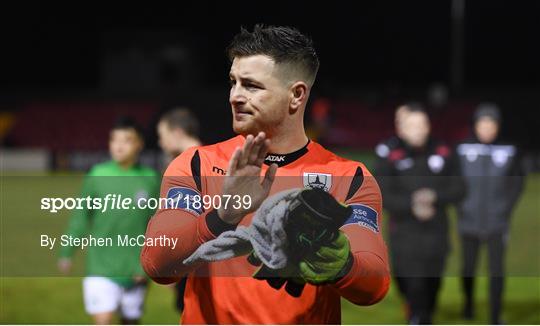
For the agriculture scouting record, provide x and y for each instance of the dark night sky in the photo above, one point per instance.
(404, 42)
(374, 46)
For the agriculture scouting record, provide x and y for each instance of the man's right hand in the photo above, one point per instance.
(423, 212)
(423, 204)
(243, 177)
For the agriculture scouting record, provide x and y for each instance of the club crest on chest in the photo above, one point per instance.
(318, 180)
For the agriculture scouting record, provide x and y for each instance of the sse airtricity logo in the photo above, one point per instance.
(184, 198)
(365, 216)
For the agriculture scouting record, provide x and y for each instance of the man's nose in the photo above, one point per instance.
(237, 96)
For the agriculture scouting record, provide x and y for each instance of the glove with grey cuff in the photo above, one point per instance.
(294, 238)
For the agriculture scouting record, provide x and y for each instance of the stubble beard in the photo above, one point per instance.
(244, 129)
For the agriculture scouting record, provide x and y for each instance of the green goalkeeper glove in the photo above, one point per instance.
(319, 252)
(329, 263)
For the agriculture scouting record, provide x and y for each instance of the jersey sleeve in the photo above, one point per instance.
(369, 278)
(181, 220)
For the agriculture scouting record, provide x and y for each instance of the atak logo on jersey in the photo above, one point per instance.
(318, 180)
(275, 158)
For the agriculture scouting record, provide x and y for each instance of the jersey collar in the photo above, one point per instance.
(284, 159)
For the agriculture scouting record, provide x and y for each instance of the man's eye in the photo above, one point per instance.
(252, 86)
(232, 82)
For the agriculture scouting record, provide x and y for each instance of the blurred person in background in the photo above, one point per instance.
(418, 183)
(178, 130)
(494, 179)
(382, 150)
(115, 279)
(385, 147)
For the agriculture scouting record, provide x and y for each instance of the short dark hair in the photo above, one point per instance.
(126, 122)
(489, 110)
(415, 107)
(285, 45)
(182, 118)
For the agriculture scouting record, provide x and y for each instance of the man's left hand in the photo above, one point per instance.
(326, 265)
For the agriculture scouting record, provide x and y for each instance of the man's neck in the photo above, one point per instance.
(189, 142)
(284, 143)
(126, 165)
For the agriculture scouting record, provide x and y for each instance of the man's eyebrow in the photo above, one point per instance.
(245, 79)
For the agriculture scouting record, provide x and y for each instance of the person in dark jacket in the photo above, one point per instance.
(386, 146)
(382, 150)
(419, 179)
(493, 175)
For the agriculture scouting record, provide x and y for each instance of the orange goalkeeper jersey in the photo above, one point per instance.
(224, 292)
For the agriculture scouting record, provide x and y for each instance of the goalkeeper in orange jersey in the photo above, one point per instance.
(272, 73)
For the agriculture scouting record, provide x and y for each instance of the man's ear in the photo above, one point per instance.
(299, 94)
(179, 133)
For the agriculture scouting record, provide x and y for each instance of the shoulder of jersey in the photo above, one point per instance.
(505, 143)
(148, 171)
(384, 148)
(222, 149)
(469, 140)
(103, 168)
(337, 163)
(442, 149)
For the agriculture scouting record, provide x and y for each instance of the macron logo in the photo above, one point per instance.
(275, 158)
(217, 170)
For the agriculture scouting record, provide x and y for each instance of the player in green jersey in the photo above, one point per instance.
(115, 280)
